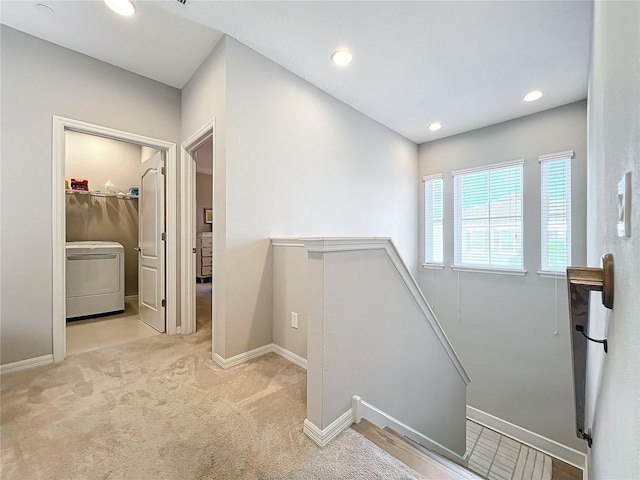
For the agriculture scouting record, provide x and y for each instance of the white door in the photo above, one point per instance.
(151, 249)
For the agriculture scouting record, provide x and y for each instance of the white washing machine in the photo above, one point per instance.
(94, 278)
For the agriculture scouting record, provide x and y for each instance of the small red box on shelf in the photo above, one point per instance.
(79, 184)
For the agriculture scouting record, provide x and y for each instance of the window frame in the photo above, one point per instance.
(426, 262)
(458, 235)
(545, 269)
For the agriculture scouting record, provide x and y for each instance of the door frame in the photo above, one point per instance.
(58, 228)
(188, 241)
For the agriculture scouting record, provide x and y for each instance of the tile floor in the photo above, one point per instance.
(107, 331)
(497, 457)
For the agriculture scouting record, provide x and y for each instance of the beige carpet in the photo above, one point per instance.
(158, 408)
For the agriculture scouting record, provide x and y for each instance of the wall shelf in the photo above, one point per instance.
(125, 196)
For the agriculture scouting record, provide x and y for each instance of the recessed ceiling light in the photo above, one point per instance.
(434, 126)
(532, 96)
(123, 7)
(342, 57)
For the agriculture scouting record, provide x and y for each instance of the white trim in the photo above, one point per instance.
(548, 274)
(187, 228)
(28, 363)
(326, 245)
(287, 242)
(489, 166)
(381, 419)
(431, 177)
(58, 227)
(171, 245)
(498, 271)
(527, 437)
(242, 357)
(555, 156)
(324, 436)
(130, 298)
(292, 357)
(433, 266)
(585, 471)
(340, 244)
(258, 352)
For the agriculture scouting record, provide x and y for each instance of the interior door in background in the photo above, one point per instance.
(151, 267)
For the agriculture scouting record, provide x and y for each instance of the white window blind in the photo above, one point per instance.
(433, 250)
(556, 211)
(488, 217)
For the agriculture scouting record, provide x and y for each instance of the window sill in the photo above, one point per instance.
(496, 271)
(547, 274)
(433, 266)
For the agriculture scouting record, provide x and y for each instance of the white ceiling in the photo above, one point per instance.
(153, 43)
(466, 64)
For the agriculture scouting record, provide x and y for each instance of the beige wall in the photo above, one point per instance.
(109, 219)
(99, 159)
(40, 80)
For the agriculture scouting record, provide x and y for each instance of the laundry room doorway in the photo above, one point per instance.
(112, 236)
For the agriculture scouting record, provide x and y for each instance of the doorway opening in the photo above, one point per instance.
(203, 219)
(198, 231)
(114, 236)
(107, 262)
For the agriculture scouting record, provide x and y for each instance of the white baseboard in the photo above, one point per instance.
(258, 352)
(243, 357)
(324, 436)
(381, 419)
(292, 357)
(28, 363)
(527, 437)
(130, 298)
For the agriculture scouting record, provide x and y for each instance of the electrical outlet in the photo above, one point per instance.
(294, 319)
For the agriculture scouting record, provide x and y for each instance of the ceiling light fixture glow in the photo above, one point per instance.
(434, 126)
(43, 7)
(533, 95)
(122, 7)
(342, 57)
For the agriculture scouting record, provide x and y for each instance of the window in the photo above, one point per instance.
(433, 251)
(555, 225)
(488, 217)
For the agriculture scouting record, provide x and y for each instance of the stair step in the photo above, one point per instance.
(423, 461)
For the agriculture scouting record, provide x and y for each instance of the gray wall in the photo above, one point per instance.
(39, 80)
(367, 337)
(301, 163)
(204, 97)
(290, 295)
(614, 148)
(520, 371)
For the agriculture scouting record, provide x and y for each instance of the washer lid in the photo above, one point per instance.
(93, 245)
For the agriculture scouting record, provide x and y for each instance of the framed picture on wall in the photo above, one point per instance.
(208, 215)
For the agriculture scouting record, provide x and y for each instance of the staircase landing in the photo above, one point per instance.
(423, 461)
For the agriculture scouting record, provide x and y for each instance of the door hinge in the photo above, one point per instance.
(163, 171)
(164, 237)
(164, 302)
